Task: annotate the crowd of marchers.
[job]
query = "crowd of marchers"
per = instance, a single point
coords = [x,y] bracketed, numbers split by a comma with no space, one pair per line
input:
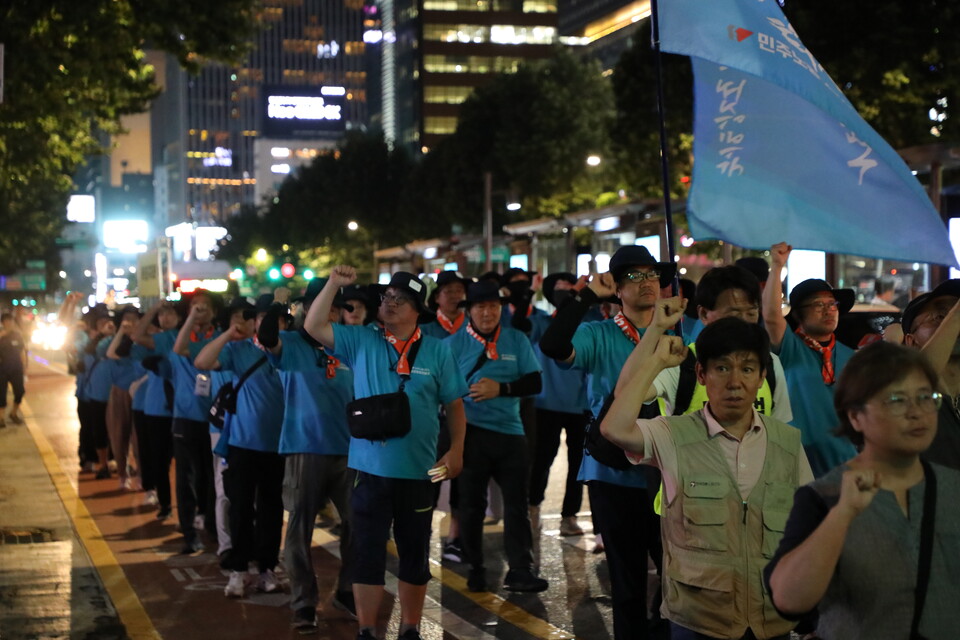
[780,480]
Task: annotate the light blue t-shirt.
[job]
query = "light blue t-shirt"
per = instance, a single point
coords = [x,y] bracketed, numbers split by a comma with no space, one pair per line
[515,359]
[812,402]
[259,416]
[601,351]
[156,402]
[434,380]
[186,404]
[315,413]
[564,389]
[99,376]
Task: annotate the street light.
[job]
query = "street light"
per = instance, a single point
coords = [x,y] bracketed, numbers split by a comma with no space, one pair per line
[352,225]
[593,160]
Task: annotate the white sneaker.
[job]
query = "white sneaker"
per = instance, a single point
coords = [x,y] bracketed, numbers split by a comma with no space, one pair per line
[150,498]
[268,582]
[236,585]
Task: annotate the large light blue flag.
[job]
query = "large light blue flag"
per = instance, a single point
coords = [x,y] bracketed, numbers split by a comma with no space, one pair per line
[780,153]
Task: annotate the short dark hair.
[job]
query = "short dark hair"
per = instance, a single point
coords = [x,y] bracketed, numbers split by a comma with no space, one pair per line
[730,335]
[870,370]
[720,279]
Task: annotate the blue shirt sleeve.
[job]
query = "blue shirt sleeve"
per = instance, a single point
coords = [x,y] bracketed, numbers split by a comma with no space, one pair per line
[452,383]
[346,341]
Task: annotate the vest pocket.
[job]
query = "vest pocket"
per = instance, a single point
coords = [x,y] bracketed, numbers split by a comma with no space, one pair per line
[699,593]
[777,503]
[705,512]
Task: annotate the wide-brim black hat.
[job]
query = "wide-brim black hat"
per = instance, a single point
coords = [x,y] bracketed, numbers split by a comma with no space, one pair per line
[413,287]
[945,288]
[550,283]
[483,291]
[630,255]
[807,288]
[510,273]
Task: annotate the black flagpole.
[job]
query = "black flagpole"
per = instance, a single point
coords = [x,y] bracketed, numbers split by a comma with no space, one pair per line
[664,158]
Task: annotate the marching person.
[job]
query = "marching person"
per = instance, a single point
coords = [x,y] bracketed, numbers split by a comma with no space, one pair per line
[499,366]
[394,470]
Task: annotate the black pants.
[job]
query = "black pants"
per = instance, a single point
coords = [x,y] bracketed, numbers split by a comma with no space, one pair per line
[14,378]
[253,483]
[625,518]
[98,425]
[86,451]
[155,443]
[191,449]
[489,454]
[549,426]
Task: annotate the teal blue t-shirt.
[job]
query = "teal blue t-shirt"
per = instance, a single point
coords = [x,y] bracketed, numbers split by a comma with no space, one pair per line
[100,370]
[564,389]
[812,402]
[434,380]
[259,416]
[186,404]
[156,402]
[515,359]
[601,351]
[315,413]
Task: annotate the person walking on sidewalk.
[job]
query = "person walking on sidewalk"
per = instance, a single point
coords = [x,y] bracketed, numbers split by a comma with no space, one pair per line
[13,364]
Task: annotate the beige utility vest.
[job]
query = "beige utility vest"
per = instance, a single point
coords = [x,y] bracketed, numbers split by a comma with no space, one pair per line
[715,544]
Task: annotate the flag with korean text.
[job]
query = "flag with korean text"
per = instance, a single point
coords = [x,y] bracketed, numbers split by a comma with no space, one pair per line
[779,153]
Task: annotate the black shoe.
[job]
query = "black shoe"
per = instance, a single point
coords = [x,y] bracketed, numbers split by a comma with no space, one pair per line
[192,546]
[477,580]
[410,634]
[163,513]
[452,551]
[103,473]
[305,618]
[524,580]
[365,634]
[343,600]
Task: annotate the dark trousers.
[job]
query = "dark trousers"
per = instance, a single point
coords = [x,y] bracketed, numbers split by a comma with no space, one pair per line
[191,449]
[155,443]
[98,425]
[253,483]
[549,426]
[14,378]
[86,451]
[488,454]
[625,518]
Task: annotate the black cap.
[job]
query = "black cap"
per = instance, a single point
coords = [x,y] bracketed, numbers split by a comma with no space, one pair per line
[945,288]
[263,302]
[413,287]
[449,277]
[314,287]
[483,291]
[756,266]
[812,286]
[240,304]
[631,255]
[510,273]
[550,283]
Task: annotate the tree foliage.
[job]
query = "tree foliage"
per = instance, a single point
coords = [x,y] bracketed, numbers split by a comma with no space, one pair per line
[73,68]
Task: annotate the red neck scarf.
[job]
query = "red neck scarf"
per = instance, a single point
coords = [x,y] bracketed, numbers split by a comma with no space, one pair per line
[826,353]
[450,326]
[402,346]
[489,345]
[627,327]
[195,337]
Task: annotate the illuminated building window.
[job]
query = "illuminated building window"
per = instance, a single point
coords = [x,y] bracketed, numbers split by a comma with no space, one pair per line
[271,14]
[356,77]
[446,95]
[313,31]
[500,34]
[539,6]
[353,5]
[354,48]
[470,64]
[439,124]
[468,5]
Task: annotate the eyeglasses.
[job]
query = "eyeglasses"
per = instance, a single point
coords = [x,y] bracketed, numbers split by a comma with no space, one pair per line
[641,276]
[896,404]
[822,306]
[395,300]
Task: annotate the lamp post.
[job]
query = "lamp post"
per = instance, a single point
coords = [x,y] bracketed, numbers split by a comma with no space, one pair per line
[488,221]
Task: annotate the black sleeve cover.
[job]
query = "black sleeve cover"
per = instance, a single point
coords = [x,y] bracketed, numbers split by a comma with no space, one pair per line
[528,385]
[556,341]
[519,320]
[269,331]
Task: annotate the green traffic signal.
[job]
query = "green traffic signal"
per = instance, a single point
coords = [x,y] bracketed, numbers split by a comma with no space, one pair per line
[274,273]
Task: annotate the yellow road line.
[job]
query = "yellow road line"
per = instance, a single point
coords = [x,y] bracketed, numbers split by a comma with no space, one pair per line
[517,616]
[125,600]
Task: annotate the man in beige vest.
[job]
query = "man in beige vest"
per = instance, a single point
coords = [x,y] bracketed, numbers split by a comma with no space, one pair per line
[729,475]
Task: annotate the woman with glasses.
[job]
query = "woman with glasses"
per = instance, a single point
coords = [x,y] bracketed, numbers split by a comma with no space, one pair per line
[854,546]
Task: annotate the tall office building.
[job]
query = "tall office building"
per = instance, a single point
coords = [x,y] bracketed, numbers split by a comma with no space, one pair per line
[228,136]
[602,29]
[436,52]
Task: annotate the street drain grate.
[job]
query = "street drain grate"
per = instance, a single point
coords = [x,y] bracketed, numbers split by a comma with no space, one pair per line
[25,535]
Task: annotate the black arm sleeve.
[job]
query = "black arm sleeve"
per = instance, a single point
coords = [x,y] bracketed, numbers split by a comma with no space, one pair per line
[521,303]
[556,341]
[528,385]
[268,334]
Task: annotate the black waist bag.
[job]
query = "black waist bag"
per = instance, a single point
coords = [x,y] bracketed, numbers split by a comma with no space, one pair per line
[383,416]
[604,451]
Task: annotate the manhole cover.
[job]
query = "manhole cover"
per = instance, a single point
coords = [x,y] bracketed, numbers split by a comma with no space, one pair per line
[25,535]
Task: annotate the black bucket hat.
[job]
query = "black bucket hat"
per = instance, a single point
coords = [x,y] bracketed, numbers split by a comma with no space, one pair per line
[945,288]
[631,255]
[483,291]
[413,287]
[813,286]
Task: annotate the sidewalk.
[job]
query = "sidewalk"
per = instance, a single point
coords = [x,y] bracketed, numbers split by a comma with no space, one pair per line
[49,587]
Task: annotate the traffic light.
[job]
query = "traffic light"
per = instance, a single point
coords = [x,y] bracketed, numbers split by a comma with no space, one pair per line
[273,273]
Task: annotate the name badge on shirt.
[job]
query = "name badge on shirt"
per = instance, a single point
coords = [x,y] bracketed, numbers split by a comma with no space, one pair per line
[202,386]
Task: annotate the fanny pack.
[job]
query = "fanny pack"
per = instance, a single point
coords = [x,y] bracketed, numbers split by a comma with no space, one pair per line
[226,399]
[383,416]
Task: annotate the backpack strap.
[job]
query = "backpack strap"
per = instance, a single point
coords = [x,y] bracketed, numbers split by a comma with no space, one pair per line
[686,385]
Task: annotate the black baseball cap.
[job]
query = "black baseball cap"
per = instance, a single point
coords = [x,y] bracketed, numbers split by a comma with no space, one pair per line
[630,255]
[413,287]
[813,286]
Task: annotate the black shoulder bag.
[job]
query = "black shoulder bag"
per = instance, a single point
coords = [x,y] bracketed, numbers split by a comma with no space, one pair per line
[226,399]
[383,416]
[604,451]
[926,549]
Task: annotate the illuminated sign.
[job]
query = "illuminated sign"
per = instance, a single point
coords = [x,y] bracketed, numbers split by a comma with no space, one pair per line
[217,285]
[298,112]
[126,236]
[328,50]
[81,209]
[221,158]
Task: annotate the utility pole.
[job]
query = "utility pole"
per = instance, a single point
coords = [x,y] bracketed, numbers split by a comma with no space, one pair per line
[488,221]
